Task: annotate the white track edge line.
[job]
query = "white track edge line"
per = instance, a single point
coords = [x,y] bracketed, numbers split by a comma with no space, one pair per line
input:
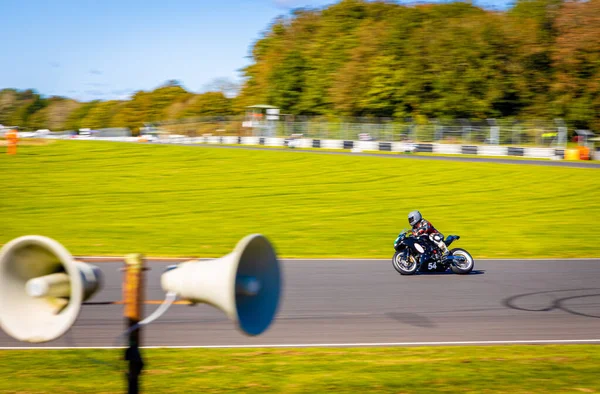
[319,345]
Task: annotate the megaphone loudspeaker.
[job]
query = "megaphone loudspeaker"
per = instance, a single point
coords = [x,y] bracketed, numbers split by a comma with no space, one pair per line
[245,284]
[42,288]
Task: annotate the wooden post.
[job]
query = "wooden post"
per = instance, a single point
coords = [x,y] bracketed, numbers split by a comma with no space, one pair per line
[133,292]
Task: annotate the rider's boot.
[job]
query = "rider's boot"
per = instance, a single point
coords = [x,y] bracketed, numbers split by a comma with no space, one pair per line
[443,248]
[445,251]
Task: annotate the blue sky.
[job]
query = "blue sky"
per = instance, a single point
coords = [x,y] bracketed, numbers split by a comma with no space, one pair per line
[107,49]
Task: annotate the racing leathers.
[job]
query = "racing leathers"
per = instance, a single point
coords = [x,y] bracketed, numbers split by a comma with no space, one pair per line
[423,227]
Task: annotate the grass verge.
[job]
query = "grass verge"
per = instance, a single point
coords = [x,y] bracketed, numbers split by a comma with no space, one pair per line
[497,369]
[102,198]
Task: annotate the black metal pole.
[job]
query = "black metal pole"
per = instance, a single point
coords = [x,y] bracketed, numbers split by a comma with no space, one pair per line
[136,364]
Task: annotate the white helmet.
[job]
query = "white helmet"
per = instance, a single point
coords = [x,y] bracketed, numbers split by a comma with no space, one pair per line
[414,217]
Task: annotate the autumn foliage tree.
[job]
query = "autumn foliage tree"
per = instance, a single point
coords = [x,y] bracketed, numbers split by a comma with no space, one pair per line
[373,58]
[576,59]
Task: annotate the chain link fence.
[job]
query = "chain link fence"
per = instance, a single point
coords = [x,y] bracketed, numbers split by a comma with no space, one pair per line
[542,133]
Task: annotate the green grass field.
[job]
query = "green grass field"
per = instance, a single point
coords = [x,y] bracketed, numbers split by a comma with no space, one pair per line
[102,198]
[508,369]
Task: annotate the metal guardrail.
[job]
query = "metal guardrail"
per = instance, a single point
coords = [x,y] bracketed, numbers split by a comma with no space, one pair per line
[542,133]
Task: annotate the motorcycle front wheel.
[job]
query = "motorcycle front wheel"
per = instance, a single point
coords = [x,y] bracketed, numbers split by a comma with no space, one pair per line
[404,266]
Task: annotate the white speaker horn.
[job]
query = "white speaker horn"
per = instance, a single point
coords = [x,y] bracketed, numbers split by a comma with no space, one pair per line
[42,288]
[245,284]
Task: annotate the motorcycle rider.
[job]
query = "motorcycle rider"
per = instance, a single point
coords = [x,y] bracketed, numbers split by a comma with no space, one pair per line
[421,226]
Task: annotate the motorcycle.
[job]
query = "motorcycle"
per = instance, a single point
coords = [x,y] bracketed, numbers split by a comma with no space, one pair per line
[419,254]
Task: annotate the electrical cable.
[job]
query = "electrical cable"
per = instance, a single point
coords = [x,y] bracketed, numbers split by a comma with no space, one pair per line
[169,299]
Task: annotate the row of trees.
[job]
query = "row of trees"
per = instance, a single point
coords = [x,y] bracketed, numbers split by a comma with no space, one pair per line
[540,59]
[29,110]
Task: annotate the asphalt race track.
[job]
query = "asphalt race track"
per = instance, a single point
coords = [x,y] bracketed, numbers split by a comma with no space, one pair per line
[360,302]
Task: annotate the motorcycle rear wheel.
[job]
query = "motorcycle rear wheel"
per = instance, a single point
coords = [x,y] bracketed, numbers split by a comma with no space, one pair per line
[405,267]
[462,268]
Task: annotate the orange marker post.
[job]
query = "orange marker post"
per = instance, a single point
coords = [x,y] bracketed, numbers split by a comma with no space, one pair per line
[12,138]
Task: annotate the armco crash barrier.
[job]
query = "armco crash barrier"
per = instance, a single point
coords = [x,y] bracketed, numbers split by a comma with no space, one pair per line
[358,146]
[385,146]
